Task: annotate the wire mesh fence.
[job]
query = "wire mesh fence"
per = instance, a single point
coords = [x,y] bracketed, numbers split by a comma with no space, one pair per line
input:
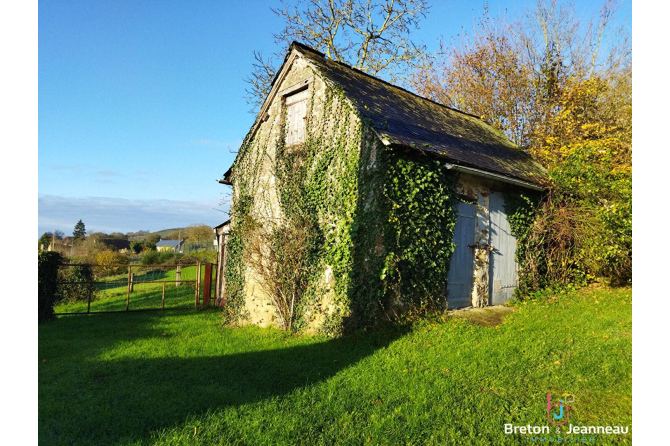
[206,245]
[87,288]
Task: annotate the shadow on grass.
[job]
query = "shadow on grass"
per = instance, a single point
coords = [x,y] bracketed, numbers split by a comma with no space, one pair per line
[129,399]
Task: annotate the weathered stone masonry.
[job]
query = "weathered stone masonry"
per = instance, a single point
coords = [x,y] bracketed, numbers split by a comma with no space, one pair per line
[379,117]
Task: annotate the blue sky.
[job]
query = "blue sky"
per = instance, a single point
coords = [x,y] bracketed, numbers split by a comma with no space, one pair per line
[141,104]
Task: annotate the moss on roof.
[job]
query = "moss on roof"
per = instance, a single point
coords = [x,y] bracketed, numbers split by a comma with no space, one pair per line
[406,119]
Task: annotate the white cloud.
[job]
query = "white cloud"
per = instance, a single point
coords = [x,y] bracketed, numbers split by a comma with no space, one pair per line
[101,214]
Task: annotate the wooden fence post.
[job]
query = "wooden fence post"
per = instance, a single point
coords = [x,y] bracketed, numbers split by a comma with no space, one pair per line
[88,310]
[132,282]
[197,284]
[177,276]
[128,292]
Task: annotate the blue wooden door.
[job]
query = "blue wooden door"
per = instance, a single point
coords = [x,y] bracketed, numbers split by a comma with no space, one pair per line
[503,273]
[459,278]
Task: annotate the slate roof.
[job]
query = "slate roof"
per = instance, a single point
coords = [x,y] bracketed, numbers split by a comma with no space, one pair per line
[172,243]
[404,119]
[227,222]
[116,243]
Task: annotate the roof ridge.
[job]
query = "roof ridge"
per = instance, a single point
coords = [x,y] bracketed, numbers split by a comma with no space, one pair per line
[323,56]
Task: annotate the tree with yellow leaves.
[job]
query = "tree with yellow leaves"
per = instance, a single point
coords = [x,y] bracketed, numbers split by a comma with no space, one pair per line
[561,89]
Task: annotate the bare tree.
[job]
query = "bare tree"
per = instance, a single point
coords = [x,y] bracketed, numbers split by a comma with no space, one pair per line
[370,35]
[512,72]
[199,233]
[584,47]
[278,252]
[260,80]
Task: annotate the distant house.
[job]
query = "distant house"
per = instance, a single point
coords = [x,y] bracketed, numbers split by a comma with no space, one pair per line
[123,246]
[63,246]
[170,245]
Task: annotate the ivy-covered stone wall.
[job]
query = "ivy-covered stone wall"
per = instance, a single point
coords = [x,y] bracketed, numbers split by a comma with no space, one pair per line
[380,220]
[406,235]
[316,183]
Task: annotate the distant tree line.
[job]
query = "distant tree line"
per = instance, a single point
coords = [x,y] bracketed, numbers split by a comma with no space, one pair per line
[115,248]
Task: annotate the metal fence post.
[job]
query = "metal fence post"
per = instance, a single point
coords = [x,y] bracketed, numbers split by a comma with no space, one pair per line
[207,291]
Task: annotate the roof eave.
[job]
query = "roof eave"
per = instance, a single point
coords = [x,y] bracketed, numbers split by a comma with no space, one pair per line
[457,166]
[226,177]
[222,224]
[494,176]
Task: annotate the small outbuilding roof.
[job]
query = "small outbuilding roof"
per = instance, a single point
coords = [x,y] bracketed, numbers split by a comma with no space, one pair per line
[171,243]
[405,119]
[227,222]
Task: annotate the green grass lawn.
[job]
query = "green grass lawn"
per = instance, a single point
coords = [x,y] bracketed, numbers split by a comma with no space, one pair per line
[183,378]
[112,297]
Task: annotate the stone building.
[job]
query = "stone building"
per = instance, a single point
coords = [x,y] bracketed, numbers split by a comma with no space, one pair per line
[353,141]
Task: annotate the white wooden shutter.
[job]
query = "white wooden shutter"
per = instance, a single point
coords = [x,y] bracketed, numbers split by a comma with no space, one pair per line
[296,111]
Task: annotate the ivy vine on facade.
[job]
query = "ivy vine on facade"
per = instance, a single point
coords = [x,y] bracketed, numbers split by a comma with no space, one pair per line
[356,201]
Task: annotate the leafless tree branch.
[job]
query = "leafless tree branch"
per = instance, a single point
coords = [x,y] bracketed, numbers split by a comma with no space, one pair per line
[371,35]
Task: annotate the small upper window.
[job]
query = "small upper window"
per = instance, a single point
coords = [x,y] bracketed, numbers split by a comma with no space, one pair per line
[296,114]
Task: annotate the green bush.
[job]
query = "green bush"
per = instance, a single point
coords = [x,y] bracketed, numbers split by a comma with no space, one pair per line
[202,256]
[150,258]
[583,229]
[171,258]
[79,284]
[136,246]
[47,283]
[109,261]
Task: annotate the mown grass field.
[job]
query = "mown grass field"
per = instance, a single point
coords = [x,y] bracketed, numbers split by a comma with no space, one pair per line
[183,378]
[112,297]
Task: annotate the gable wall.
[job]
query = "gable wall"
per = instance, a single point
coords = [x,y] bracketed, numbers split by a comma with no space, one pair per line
[258,161]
